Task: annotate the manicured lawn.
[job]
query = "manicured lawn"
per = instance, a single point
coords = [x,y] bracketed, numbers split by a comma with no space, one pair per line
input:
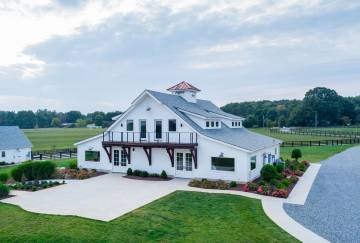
[178,217]
[316,153]
[58,162]
[58,138]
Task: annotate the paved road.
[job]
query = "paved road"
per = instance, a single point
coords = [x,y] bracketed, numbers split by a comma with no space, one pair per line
[332,208]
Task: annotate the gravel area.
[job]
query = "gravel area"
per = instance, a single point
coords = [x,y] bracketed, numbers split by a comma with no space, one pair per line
[333,204]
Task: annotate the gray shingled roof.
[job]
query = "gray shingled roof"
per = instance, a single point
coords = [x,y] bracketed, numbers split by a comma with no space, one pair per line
[12,137]
[239,137]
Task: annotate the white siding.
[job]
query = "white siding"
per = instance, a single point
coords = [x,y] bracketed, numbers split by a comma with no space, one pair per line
[16,155]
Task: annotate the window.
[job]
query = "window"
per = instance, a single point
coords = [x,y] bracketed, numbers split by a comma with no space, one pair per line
[275,151]
[253,162]
[172,125]
[188,162]
[233,124]
[158,129]
[93,156]
[123,158]
[217,124]
[207,124]
[129,125]
[212,124]
[269,158]
[142,128]
[116,157]
[3,154]
[224,164]
[179,161]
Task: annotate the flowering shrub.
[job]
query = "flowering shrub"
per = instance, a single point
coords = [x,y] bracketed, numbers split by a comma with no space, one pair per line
[280,193]
[246,188]
[260,190]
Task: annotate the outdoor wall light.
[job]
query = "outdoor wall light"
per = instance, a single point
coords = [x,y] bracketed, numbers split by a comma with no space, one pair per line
[148,109]
[221,155]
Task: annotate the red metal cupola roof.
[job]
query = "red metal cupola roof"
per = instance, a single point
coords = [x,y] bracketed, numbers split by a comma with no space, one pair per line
[183,86]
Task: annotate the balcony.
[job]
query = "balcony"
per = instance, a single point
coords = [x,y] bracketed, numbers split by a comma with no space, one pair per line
[151,139]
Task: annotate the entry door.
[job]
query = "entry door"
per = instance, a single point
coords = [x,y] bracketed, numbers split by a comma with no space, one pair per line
[142,129]
[158,129]
[184,165]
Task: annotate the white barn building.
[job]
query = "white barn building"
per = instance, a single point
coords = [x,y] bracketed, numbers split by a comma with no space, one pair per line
[15,147]
[185,136]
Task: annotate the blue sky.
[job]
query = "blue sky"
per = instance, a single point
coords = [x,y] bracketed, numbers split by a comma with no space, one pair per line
[99,55]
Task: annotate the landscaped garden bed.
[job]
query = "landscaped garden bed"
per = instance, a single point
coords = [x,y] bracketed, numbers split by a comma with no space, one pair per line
[35,185]
[76,174]
[144,175]
[276,180]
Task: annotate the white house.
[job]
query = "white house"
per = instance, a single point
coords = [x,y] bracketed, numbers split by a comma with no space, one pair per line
[185,136]
[15,147]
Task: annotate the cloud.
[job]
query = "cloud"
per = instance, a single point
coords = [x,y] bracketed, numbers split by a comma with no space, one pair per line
[24,23]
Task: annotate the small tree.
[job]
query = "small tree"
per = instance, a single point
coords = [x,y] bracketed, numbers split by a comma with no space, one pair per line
[55,122]
[296,154]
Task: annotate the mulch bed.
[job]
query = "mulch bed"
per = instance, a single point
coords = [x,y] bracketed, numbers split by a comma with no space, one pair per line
[149,178]
[239,187]
[2,198]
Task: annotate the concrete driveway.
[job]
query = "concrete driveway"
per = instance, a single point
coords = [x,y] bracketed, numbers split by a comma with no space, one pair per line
[333,205]
[103,198]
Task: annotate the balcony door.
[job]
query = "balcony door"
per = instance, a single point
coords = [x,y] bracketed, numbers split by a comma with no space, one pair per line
[142,129]
[158,129]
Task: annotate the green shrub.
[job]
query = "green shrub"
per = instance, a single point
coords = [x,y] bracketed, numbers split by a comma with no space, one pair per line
[252,186]
[4,177]
[296,154]
[4,190]
[144,174]
[268,172]
[195,183]
[273,182]
[17,173]
[302,167]
[286,182]
[280,186]
[163,175]
[73,165]
[137,172]
[233,184]
[34,170]
[154,175]
[129,172]
[293,179]
[280,167]
[221,185]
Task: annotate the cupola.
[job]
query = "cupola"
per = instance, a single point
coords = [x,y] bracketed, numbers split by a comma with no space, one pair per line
[185,90]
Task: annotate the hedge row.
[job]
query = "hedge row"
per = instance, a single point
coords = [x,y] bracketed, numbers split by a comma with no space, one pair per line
[33,171]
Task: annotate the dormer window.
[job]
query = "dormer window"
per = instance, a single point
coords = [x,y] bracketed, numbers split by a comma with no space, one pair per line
[207,124]
[212,124]
[217,124]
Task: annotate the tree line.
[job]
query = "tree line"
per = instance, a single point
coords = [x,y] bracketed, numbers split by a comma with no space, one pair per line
[45,119]
[320,107]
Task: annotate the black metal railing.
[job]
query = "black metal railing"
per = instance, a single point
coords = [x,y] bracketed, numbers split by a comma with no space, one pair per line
[151,137]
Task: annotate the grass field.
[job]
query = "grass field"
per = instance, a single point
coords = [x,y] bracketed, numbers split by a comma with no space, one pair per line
[58,138]
[291,137]
[312,154]
[178,217]
[315,154]
[58,162]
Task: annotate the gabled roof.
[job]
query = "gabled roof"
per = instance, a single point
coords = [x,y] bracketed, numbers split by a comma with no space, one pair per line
[239,137]
[183,86]
[202,108]
[12,137]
